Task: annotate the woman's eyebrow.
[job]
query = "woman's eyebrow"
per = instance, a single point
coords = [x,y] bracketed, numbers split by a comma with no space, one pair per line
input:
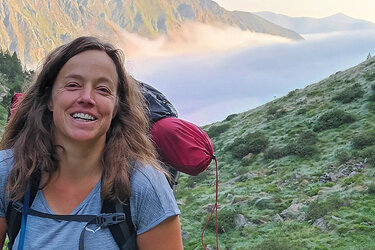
[101,79]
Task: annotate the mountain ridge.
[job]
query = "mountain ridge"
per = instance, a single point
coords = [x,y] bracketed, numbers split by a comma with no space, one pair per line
[308,25]
[34,29]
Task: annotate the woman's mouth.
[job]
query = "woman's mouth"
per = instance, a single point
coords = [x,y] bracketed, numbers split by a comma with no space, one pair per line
[83,117]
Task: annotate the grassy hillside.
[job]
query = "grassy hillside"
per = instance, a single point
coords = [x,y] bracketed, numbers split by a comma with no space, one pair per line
[295,173]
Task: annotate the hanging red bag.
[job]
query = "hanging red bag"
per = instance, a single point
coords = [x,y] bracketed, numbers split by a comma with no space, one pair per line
[182,145]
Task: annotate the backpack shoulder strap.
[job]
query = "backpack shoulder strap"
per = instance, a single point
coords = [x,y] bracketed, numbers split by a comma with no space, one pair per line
[123,233]
[14,216]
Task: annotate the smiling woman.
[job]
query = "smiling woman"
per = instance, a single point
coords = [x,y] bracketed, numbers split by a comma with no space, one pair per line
[77,159]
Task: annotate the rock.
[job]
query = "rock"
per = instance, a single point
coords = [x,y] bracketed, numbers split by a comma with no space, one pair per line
[277,218]
[230,197]
[335,218]
[294,212]
[319,223]
[184,235]
[249,156]
[240,221]
[210,247]
[265,202]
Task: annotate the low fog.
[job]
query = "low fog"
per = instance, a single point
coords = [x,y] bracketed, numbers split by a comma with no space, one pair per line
[209,73]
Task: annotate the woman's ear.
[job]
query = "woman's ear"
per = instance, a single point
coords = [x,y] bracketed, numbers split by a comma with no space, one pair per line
[50,106]
[115,110]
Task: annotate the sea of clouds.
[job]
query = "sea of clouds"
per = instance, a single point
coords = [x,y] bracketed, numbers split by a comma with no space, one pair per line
[211,72]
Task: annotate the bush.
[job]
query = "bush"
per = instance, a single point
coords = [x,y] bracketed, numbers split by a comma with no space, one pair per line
[304,150]
[370,76]
[333,119]
[275,153]
[214,131]
[371,188]
[275,111]
[369,154]
[307,137]
[318,209]
[230,117]
[226,221]
[350,94]
[303,146]
[343,157]
[364,139]
[252,143]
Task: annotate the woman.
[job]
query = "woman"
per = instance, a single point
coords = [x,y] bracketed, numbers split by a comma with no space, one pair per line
[82,124]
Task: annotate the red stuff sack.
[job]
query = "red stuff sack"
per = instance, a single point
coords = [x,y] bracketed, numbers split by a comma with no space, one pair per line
[16,99]
[182,145]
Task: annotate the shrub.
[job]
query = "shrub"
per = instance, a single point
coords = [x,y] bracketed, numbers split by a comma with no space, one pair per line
[371,98]
[275,153]
[349,94]
[370,76]
[371,188]
[318,208]
[343,157]
[307,137]
[304,150]
[252,143]
[333,119]
[226,221]
[275,111]
[369,154]
[214,131]
[364,139]
[230,117]
[303,146]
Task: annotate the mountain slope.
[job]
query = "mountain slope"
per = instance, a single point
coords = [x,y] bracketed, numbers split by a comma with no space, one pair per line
[295,173]
[307,25]
[32,28]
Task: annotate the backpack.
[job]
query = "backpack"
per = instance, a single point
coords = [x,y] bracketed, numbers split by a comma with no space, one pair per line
[185,138]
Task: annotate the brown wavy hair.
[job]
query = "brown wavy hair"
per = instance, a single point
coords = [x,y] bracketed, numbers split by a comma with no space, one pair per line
[30,132]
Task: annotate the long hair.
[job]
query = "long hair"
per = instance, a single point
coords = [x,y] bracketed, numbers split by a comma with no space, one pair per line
[30,132]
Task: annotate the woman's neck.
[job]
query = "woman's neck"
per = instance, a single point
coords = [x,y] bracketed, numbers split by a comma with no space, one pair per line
[78,162]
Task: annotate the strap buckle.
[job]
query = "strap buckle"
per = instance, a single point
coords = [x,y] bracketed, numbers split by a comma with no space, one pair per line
[17,206]
[105,220]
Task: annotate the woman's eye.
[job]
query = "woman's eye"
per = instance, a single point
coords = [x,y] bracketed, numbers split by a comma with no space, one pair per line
[104,90]
[72,85]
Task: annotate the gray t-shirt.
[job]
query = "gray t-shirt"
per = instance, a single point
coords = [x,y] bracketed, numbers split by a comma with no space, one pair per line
[151,202]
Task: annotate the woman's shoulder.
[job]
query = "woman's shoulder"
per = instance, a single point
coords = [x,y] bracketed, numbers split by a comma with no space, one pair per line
[145,173]
[6,162]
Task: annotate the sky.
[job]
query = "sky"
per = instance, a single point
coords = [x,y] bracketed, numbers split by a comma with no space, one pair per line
[362,9]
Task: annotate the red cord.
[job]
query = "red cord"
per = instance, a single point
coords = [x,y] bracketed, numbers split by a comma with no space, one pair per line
[214,208]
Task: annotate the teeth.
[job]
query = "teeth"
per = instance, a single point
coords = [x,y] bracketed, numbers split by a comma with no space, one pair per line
[83,116]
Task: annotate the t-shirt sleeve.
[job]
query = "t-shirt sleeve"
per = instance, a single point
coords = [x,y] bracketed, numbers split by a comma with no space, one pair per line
[6,163]
[152,200]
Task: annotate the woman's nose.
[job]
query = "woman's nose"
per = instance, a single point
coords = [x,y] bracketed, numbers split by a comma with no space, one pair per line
[86,97]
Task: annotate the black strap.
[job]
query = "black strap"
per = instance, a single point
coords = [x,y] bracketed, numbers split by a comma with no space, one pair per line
[123,233]
[14,216]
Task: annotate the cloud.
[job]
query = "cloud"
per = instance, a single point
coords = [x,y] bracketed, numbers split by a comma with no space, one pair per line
[207,88]
[194,38]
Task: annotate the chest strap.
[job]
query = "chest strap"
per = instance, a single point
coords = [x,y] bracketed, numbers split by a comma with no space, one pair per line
[102,220]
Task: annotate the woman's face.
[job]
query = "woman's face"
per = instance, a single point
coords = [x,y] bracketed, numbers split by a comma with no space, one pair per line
[84,97]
